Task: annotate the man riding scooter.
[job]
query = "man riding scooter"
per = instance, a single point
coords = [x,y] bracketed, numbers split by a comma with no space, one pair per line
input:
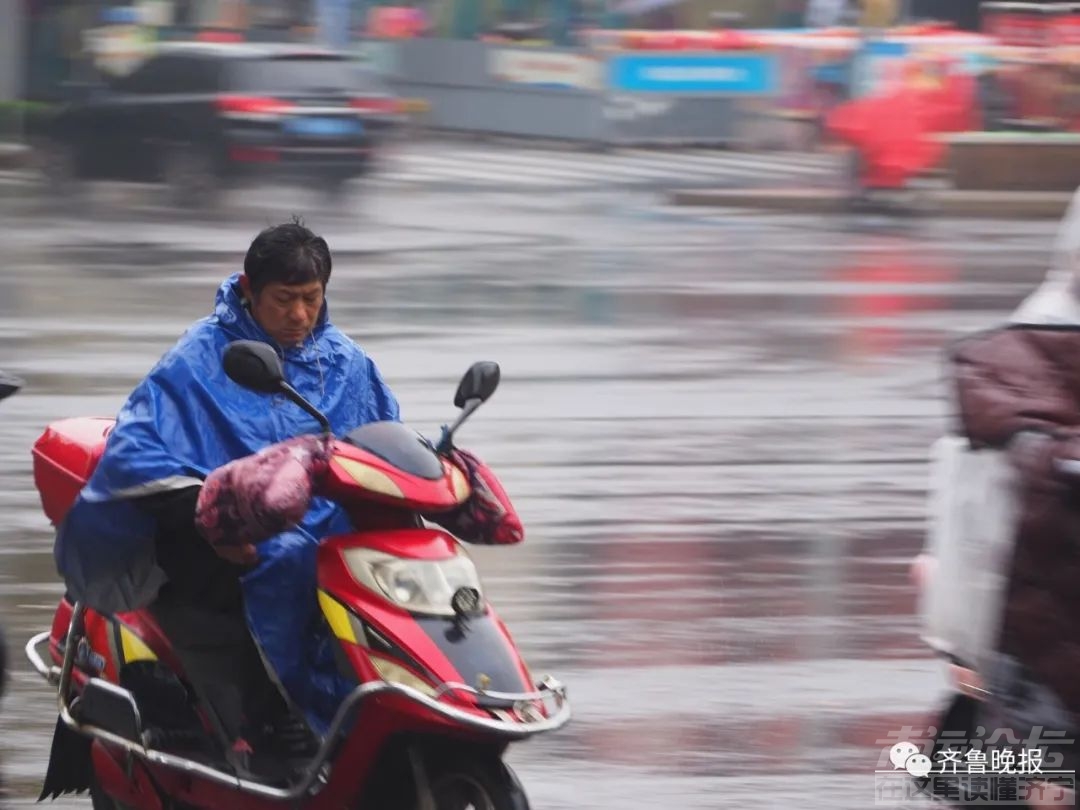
[1018,393]
[170,518]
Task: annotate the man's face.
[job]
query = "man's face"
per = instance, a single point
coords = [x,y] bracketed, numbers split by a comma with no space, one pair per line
[287,312]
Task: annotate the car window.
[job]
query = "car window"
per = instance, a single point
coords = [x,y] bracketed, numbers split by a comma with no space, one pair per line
[198,77]
[172,74]
[150,77]
[298,75]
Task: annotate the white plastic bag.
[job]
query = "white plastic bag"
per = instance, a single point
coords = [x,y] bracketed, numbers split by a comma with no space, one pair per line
[973,517]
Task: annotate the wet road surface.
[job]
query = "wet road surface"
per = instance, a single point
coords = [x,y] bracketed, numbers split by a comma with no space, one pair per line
[715,426]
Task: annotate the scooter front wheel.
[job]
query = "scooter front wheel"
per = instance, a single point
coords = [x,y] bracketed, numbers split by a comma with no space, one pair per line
[464,783]
[100,800]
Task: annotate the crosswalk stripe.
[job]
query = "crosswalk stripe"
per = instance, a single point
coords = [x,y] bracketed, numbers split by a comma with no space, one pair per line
[606,167]
[435,164]
[734,164]
[641,168]
[644,163]
[472,174]
[510,164]
[787,160]
[579,166]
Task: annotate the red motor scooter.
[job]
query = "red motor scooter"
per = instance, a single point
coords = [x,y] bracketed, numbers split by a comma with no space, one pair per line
[441,689]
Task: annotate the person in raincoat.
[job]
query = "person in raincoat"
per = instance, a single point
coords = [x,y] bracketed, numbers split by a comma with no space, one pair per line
[1017,390]
[235,590]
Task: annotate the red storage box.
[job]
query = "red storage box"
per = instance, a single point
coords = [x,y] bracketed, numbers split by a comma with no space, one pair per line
[64,457]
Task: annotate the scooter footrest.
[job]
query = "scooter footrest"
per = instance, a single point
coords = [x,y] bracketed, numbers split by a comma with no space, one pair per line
[108,708]
[172,738]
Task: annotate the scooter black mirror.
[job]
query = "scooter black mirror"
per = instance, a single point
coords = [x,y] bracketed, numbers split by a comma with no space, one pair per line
[254,365]
[257,367]
[8,385]
[479,382]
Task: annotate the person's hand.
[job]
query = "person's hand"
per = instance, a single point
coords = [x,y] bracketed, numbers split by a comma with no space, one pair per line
[487,516]
[967,682]
[259,496]
[921,571]
[244,555]
[1046,460]
[1068,467]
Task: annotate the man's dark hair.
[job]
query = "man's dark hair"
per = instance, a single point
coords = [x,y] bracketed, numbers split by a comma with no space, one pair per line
[289,254]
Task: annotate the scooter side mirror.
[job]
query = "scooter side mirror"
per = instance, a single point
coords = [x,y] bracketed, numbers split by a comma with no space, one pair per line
[8,385]
[475,388]
[255,366]
[479,382]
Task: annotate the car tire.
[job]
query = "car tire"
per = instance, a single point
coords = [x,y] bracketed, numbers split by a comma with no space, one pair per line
[367,166]
[57,167]
[191,178]
[335,188]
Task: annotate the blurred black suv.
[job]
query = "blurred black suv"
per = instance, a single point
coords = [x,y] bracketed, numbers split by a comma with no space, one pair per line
[200,116]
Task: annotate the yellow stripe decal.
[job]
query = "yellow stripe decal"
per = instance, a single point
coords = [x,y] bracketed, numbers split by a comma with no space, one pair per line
[462,491]
[369,478]
[134,648]
[337,617]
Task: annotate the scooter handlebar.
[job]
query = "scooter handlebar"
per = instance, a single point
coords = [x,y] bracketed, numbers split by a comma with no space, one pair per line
[1068,467]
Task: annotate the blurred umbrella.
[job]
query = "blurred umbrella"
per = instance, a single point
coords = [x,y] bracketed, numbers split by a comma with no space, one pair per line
[891,133]
[954,107]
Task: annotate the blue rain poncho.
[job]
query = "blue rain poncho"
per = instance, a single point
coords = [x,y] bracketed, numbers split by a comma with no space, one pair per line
[185,419]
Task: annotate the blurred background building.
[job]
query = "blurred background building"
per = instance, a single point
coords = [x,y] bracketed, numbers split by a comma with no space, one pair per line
[43,42]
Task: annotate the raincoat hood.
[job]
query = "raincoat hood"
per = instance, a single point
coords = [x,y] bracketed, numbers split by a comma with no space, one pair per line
[1057,301]
[187,418]
[232,312]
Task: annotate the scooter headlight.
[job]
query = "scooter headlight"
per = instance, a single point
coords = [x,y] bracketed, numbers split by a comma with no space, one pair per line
[419,586]
[395,673]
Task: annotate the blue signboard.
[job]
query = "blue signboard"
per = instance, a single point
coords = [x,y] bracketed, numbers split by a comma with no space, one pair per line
[750,74]
[873,62]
